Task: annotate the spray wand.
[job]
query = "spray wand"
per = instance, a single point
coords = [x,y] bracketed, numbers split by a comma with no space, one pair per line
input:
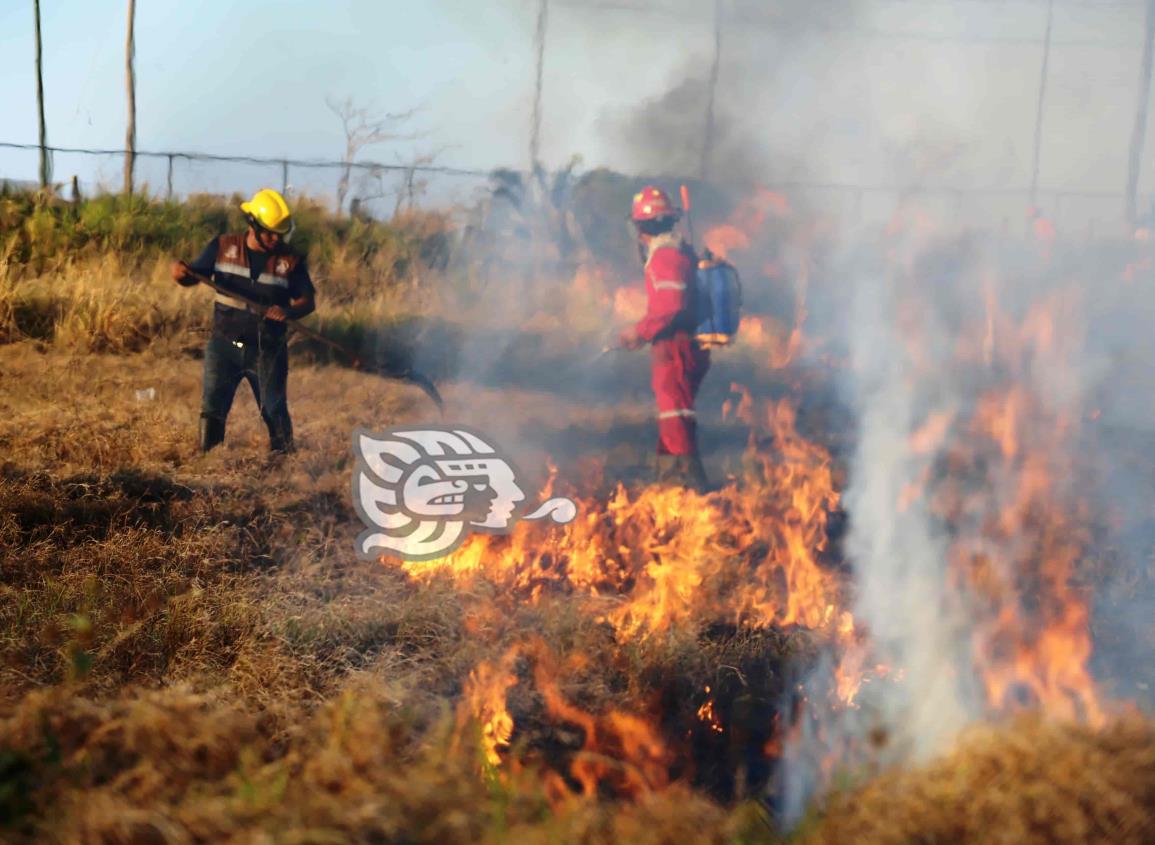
[407,374]
[685,192]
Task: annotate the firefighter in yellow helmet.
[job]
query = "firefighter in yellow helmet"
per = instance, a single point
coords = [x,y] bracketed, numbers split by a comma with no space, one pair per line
[260,267]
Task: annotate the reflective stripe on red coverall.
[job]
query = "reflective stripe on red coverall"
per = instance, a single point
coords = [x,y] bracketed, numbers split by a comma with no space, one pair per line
[677,363]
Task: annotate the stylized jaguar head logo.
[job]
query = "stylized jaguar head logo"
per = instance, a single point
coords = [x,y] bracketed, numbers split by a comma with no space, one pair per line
[420,491]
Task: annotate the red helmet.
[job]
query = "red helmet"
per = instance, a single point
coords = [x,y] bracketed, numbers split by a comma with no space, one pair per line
[653,203]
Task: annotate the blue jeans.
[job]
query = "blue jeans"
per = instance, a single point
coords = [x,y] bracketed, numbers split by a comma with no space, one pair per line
[265,366]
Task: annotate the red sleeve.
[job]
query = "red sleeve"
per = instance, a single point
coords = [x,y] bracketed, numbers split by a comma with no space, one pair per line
[668,278]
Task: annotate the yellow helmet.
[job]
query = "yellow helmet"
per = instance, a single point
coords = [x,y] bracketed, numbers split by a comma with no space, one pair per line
[269,210]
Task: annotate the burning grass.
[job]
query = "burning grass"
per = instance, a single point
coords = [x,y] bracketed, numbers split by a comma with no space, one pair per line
[190,651]
[174,766]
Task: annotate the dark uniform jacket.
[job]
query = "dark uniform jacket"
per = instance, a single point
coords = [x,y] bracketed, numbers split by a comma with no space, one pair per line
[268,278]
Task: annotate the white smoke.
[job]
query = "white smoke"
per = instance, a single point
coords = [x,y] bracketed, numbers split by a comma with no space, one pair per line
[958,515]
[899,554]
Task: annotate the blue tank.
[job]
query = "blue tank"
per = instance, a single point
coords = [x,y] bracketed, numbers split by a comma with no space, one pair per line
[719,302]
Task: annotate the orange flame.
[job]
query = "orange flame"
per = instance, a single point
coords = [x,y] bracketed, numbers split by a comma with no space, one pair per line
[706,714]
[484,700]
[647,562]
[746,222]
[672,557]
[1019,564]
[622,753]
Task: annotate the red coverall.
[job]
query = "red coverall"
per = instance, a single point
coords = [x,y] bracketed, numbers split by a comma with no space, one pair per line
[677,363]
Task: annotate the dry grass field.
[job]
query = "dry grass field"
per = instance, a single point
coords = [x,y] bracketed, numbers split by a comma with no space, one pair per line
[190,650]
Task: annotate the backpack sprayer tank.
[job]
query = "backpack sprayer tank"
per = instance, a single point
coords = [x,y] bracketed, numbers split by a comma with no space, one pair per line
[719,301]
[718,307]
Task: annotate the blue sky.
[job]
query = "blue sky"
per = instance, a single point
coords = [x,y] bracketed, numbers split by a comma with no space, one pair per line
[209,72]
[246,78]
[252,78]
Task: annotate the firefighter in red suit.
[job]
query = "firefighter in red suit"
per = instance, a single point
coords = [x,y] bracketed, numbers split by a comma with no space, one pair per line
[677,363]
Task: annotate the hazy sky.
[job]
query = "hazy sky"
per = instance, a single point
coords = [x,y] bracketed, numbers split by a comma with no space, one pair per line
[252,79]
[817,93]
[248,78]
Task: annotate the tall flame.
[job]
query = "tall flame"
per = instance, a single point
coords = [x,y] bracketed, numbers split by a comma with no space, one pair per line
[749,555]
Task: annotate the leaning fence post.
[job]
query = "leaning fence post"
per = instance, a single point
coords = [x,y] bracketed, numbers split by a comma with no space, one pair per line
[284,177]
[169,184]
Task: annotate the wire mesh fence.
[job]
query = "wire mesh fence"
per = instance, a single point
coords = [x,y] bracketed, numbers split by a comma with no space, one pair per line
[180,173]
[384,189]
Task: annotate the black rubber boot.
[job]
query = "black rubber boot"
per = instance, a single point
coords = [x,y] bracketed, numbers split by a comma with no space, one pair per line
[281,438]
[212,432]
[666,469]
[682,471]
[695,473]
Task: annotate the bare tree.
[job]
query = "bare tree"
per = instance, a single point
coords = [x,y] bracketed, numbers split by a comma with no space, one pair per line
[406,189]
[130,90]
[363,128]
[370,187]
[45,168]
[411,187]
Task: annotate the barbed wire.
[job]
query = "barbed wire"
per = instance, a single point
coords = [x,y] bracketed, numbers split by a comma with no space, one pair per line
[774,184]
[444,170]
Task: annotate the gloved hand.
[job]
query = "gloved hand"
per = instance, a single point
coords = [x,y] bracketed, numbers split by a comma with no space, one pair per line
[182,274]
[629,339]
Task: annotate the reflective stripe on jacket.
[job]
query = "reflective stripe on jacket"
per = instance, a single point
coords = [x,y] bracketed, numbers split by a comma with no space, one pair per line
[671,287]
[271,287]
